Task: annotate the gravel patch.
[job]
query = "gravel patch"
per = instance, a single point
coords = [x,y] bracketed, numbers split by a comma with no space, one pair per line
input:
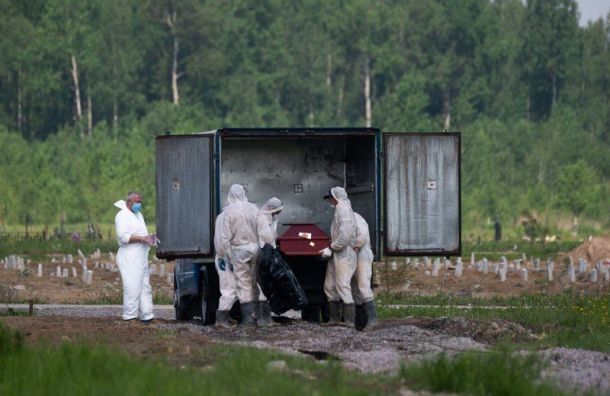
[579,370]
[378,351]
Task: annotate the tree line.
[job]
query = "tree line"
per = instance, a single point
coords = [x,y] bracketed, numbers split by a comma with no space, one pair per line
[85,85]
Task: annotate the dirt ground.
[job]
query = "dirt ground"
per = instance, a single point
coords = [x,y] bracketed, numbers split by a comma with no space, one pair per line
[415,277]
[594,249]
[131,337]
[394,276]
[380,351]
[411,281]
[106,284]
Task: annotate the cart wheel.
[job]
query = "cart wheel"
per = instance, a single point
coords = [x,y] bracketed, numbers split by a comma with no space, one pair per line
[181,307]
[208,307]
[208,312]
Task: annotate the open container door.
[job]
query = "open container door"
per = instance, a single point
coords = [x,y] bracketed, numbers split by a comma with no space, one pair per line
[184,195]
[422,194]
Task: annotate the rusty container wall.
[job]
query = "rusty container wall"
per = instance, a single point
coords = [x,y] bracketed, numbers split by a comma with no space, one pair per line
[422,193]
[299,171]
[184,191]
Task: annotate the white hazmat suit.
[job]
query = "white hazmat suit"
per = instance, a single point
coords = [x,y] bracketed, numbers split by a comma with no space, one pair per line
[132,260]
[226,277]
[342,265]
[240,241]
[361,282]
[267,222]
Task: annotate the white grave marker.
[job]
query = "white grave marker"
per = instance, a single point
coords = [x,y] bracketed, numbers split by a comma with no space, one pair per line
[582,266]
[549,271]
[458,267]
[593,275]
[571,274]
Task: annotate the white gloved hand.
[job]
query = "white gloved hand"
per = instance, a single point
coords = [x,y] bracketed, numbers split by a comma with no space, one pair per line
[151,240]
[326,252]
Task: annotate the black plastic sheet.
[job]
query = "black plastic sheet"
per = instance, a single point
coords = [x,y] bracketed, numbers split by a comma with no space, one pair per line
[278,282]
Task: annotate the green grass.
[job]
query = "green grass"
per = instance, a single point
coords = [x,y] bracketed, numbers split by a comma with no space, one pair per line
[565,320]
[11,341]
[81,370]
[38,249]
[498,372]
[495,250]
[162,299]
[117,299]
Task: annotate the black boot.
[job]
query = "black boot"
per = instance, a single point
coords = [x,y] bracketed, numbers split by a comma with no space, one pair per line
[263,315]
[248,315]
[222,319]
[371,315]
[334,312]
[349,315]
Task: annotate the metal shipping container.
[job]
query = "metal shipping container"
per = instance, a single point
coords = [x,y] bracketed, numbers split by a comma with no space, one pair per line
[406,186]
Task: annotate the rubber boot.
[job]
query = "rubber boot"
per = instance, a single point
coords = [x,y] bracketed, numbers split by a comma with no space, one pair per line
[349,315]
[248,315]
[334,312]
[371,315]
[222,319]
[263,315]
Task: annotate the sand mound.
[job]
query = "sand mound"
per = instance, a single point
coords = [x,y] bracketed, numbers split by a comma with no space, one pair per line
[593,249]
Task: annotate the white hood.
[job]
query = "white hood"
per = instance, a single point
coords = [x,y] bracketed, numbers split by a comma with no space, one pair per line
[121,204]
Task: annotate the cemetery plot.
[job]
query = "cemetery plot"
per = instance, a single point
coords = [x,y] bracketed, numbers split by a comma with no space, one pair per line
[78,279]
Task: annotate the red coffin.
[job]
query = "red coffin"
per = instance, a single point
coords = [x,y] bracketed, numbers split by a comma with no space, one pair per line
[303,240]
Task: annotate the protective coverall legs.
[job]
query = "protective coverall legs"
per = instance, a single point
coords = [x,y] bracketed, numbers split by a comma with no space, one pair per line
[137,292]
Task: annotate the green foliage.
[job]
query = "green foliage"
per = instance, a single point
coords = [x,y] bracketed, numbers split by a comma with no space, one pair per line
[578,190]
[498,372]
[524,83]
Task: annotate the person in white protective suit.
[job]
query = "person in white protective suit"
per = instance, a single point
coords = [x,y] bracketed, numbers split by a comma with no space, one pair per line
[132,258]
[342,259]
[226,277]
[361,282]
[267,234]
[240,243]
